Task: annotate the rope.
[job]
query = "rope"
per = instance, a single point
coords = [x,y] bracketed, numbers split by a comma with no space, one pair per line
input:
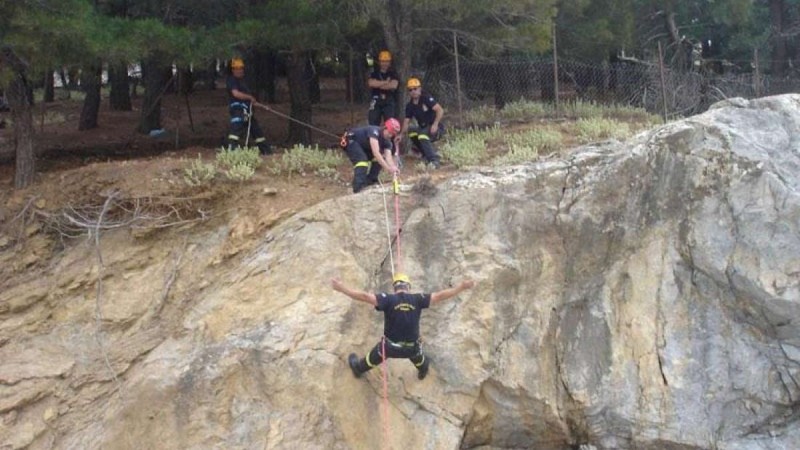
[280,114]
[249,122]
[388,231]
[396,189]
[385,370]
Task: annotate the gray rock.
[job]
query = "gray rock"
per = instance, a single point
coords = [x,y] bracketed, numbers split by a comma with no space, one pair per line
[642,295]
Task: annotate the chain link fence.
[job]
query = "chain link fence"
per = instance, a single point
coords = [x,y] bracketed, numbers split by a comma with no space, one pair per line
[637,84]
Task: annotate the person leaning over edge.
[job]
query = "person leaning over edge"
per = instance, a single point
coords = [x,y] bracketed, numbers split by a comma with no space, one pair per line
[401,313]
[383,82]
[240,107]
[428,113]
[370,148]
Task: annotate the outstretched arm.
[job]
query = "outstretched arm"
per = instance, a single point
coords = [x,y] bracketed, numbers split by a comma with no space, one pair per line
[355,294]
[451,292]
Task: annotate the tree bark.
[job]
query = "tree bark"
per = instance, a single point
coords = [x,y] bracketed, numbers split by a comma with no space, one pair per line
[91,83]
[298,94]
[120,95]
[19,101]
[396,21]
[312,75]
[49,88]
[777,10]
[271,67]
[360,92]
[153,70]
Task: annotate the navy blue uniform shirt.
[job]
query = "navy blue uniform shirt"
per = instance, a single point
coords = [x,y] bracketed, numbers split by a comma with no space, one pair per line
[235,83]
[423,111]
[378,75]
[401,313]
[362,135]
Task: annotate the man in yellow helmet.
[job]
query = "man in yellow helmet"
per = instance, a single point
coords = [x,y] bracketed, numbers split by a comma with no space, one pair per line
[244,128]
[383,83]
[428,113]
[401,314]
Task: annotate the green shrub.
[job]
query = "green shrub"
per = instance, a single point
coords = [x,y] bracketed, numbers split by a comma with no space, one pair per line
[598,128]
[527,145]
[525,109]
[543,139]
[240,172]
[199,172]
[468,147]
[250,156]
[481,115]
[303,160]
[516,154]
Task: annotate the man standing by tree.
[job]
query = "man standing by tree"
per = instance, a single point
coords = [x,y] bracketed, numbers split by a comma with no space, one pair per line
[428,113]
[383,82]
[401,314]
[240,106]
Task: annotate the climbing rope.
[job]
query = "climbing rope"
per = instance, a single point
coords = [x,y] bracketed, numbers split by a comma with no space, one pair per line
[388,230]
[396,190]
[385,371]
[305,124]
[384,365]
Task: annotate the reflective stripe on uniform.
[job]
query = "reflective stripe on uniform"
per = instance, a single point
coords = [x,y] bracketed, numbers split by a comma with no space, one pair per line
[260,140]
[362,164]
[424,137]
[413,134]
[421,362]
[233,136]
[237,120]
[368,361]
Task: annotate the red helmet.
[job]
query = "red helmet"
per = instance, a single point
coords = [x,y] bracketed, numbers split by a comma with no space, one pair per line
[393,125]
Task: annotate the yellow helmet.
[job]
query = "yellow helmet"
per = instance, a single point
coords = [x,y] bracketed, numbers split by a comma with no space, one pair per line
[237,63]
[384,55]
[413,83]
[400,278]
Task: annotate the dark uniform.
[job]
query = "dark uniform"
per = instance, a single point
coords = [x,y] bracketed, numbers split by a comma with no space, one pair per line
[383,102]
[420,135]
[241,115]
[356,144]
[401,314]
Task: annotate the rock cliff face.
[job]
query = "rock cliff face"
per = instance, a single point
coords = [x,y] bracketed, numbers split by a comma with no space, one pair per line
[640,295]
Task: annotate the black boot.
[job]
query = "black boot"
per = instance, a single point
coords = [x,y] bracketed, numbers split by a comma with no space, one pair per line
[353,361]
[422,371]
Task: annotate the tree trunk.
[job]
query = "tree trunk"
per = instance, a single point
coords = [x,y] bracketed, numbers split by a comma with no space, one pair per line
[153,70]
[19,100]
[271,67]
[120,95]
[396,21]
[72,78]
[312,75]
[298,94]
[49,88]
[357,73]
[22,116]
[210,75]
[777,10]
[185,80]
[62,75]
[91,83]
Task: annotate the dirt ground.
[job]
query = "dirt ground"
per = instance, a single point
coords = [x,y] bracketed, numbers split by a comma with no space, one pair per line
[78,171]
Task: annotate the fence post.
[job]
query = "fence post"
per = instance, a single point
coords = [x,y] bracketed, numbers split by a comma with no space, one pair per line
[458,83]
[756,75]
[555,66]
[663,82]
